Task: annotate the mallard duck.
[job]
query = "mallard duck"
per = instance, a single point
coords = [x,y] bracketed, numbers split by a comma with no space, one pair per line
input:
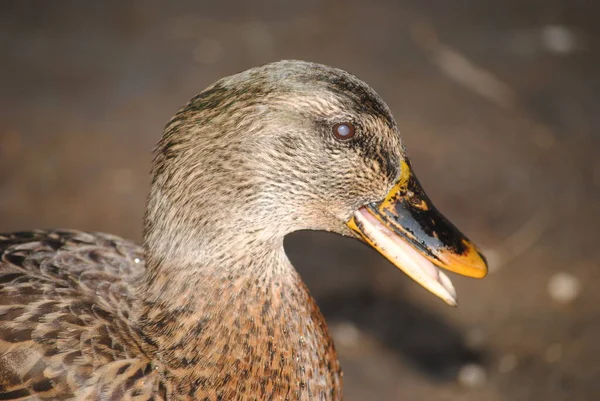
[210,308]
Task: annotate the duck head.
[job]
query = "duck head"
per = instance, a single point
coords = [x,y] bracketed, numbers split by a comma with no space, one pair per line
[291,146]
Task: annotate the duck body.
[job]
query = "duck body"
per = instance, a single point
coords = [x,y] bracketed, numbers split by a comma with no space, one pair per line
[67,302]
[209,307]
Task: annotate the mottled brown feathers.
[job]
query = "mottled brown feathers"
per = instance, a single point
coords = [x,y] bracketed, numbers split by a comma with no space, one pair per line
[66,301]
[210,308]
[64,304]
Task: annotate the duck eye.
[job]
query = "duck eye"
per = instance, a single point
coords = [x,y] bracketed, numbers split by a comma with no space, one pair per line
[343,131]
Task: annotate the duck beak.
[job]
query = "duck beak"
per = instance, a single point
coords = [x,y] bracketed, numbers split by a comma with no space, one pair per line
[409,231]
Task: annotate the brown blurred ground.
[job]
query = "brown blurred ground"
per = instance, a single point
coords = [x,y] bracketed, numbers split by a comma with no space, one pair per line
[497,101]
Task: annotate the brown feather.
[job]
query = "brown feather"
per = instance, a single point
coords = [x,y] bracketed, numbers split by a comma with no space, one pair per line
[64,304]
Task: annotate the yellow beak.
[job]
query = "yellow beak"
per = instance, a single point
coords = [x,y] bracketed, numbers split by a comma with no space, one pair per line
[409,231]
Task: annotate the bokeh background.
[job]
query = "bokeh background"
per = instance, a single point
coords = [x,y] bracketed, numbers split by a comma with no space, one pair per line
[498,104]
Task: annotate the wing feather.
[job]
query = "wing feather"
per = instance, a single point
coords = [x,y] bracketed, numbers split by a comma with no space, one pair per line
[64,303]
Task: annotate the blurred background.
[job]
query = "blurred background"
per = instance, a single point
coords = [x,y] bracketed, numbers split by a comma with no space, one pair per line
[497,101]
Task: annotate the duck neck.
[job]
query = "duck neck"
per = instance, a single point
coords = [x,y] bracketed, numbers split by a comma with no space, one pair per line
[238,318]
[210,284]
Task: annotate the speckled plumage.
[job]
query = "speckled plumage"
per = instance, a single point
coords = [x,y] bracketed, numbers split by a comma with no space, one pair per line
[210,308]
[64,308]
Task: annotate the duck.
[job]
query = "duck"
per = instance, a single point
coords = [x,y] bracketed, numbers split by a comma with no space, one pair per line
[209,307]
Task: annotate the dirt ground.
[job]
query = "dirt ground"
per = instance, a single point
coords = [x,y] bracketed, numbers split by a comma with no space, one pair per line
[498,105]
